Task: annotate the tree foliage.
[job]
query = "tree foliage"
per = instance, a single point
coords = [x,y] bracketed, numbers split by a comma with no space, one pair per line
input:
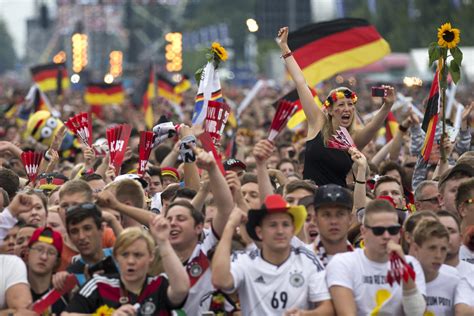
[7,52]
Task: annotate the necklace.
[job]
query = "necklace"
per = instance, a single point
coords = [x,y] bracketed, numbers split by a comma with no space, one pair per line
[321,251]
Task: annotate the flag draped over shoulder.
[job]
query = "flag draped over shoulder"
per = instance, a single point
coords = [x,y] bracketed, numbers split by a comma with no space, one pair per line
[327,48]
[209,90]
[391,126]
[148,95]
[430,120]
[51,77]
[166,90]
[299,116]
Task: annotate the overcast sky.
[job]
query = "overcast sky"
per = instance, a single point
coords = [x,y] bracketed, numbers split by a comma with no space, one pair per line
[15,13]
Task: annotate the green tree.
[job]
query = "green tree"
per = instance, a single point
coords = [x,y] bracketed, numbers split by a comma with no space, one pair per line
[7,52]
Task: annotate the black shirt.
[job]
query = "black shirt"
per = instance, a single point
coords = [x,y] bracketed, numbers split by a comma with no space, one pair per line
[325,165]
[108,292]
[57,308]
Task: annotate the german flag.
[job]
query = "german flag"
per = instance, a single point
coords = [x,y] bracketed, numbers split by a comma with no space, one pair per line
[299,116]
[325,49]
[166,90]
[51,77]
[183,86]
[430,120]
[104,94]
[148,95]
[391,126]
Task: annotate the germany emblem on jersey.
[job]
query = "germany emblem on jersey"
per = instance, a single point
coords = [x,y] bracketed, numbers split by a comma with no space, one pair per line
[148,308]
[296,279]
[195,270]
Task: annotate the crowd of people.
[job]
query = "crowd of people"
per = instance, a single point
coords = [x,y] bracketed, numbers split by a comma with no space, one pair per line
[291,227]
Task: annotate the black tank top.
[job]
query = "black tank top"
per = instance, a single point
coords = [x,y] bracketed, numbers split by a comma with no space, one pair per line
[325,165]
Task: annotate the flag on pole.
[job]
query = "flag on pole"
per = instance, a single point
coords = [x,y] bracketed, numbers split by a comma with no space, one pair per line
[148,95]
[327,48]
[298,117]
[166,90]
[51,77]
[183,86]
[430,120]
[391,126]
[100,94]
[209,90]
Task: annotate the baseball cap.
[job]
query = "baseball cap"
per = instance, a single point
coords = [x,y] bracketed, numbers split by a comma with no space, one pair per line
[332,194]
[463,168]
[132,176]
[275,204]
[234,163]
[48,236]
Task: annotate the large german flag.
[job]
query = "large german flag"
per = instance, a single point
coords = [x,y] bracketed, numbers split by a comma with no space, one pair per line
[299,116]
[166,90]
[325,49]
[430,120]
[104,94]
[51,77]
[148,95]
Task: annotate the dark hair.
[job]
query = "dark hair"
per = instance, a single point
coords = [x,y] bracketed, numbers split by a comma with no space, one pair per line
[184,193]
[384,179]
[391,165]
[6,199]
[444,213]
[129,164]
[195,214]
[248,178]
[91,177]
[154,171]
[286,160]
[464,191]
[161,152]
[9,181]
[79,213]
[300,184]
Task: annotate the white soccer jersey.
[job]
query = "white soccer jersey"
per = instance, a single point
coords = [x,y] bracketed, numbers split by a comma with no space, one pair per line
[266,289]
[367,280]
[440,292]
[198,268]
[12,272]
[466,254]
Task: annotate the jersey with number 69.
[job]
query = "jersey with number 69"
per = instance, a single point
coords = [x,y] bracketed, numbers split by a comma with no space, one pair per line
[266,289]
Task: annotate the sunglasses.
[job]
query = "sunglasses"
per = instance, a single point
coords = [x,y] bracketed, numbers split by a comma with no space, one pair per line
[431,200]
[380,230]
[85,206]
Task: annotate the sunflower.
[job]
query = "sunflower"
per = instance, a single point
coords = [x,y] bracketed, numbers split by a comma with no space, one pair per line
[219,51]
[104,310]
[448,37]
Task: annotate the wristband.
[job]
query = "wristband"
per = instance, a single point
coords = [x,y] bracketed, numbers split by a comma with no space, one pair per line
[360,182]
[286,55]
[402,128]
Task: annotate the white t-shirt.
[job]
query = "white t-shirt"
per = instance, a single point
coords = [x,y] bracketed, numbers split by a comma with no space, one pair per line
[266,289]
[466,254]
[12,272]
[465,290]
[367,280]
[440,292]
[7,221]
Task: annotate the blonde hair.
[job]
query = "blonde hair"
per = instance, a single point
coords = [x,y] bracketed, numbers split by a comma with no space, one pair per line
[129,236]
[328,130]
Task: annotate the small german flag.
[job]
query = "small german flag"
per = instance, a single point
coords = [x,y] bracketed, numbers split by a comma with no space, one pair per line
[183,86]
[148,95]
[391,126]
[166,90]
[430,120]
[51,77]
[327,48]
[299,116]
